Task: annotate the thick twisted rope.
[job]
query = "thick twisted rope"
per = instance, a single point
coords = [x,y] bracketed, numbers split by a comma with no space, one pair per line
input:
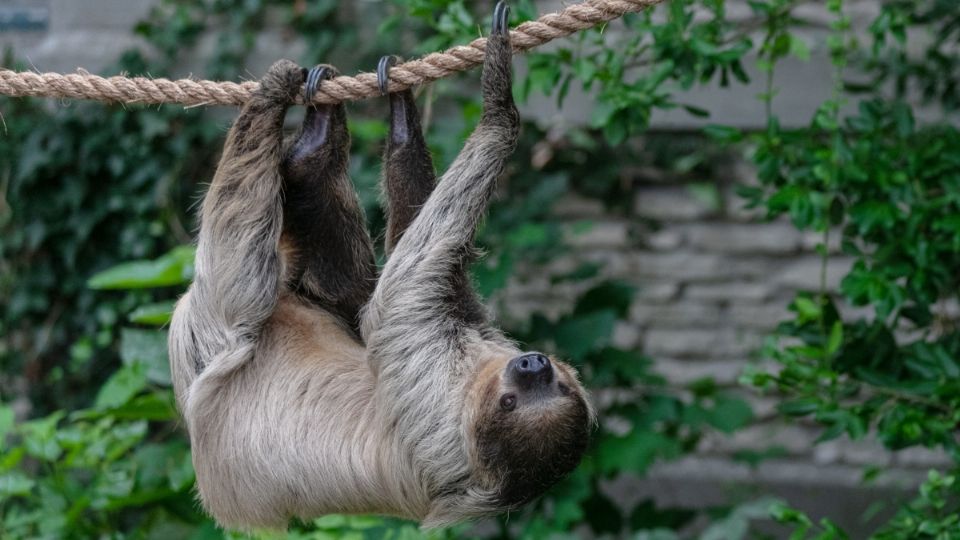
[434,66]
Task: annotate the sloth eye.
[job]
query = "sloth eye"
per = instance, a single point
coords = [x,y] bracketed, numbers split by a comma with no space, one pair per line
[508,402]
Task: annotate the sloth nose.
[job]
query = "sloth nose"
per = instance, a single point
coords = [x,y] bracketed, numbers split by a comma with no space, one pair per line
[531,370]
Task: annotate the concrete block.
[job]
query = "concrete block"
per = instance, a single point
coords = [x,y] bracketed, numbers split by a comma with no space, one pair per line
[748,266]
[735,291]
[519,311]
[810,240]
[114,15]
[843,450]
[795,439]
[663,240]
[625,335]
[573,205]
[669,203]
[763,317]
[678,265]
[656,292]
[804,272]
[920,457]
[684,372]
[614,263]
[757,238]
[700,343]
[66,51]
[682,314]
[764,407]
[600,235]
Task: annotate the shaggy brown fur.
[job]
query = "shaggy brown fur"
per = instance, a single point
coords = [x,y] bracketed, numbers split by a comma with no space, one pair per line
[307,386]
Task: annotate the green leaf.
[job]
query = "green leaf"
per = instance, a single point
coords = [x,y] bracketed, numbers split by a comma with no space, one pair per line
[578,335]
[156,406]
[127,382]
[799,407]
[155,314]
[40,437]
[15,483]
[148,348]
[836,337]
[529,235]
[6,422]
[174,268]
[603,516]
[708,194]
[729,414]
[635,451]
[613,295]
[799,48]
[807,309]
[492,273]
[725,134]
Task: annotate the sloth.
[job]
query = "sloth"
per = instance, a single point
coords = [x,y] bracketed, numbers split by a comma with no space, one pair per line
[311,385]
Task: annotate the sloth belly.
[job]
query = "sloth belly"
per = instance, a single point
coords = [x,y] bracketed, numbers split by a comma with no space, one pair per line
[295,432]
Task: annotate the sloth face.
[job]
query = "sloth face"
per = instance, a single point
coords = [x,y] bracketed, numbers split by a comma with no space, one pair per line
[532,426]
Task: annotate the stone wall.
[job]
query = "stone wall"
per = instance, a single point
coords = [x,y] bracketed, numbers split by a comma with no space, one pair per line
[712,281]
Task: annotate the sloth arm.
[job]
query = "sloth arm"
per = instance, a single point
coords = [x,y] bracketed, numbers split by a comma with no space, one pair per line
[408,181]
[410,313]
[238,266]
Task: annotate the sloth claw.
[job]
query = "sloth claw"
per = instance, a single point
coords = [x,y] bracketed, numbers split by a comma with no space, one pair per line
[501,18]
[383,71]
[315,76]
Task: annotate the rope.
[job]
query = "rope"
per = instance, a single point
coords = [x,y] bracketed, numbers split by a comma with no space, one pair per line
[528,35]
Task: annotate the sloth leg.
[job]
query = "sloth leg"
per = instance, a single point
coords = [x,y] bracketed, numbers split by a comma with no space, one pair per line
[408,180]
[414,288]
[331,262]
[408,176]
[238,264]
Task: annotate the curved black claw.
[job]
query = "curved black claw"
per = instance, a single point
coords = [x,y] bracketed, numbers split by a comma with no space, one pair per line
[501,18]
[315,76]
[383,71]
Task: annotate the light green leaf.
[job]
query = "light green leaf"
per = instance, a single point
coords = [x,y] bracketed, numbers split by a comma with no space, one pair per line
[6,422]
[149,348]
[836,337]
[799,48]
[807,309]
[156,314]
[15,483]
[156,406]
[729,414]
[40,437]
[127,382]
[581,334]
[174,268]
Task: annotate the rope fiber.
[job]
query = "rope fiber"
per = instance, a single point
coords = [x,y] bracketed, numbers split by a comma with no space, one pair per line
[191,92]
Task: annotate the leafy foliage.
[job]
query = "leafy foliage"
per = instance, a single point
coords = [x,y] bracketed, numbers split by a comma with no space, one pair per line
[886,185]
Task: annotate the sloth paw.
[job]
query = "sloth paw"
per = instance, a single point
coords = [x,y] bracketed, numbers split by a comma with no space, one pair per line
[501,19]
[496,79]
[323,125]
[315,76]
[282,82]
[383,72]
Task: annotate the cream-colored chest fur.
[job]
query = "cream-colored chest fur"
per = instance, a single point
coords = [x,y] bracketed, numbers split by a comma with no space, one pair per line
[300,411]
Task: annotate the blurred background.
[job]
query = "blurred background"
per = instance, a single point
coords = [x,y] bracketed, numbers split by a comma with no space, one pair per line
[738,218]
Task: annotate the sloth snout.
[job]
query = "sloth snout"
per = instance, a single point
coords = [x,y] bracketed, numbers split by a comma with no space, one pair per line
[531,370]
